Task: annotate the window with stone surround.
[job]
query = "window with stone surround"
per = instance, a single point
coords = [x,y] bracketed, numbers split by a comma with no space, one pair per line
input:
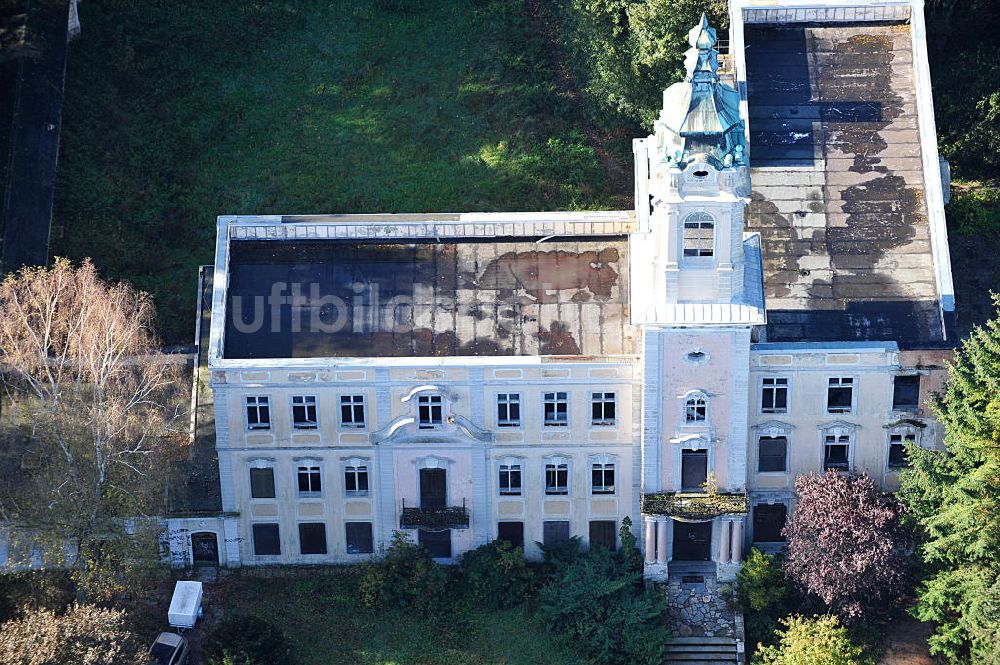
[602,409]
[312,538]
[602,478]
[555,409]
[262,482]
[898,458]
[352,411]
[430,411]
[310,481]
[359,537]
[774,395]
[258,412]
[356,479]
[840,394]
[699,235]
[510,479]
[557,478]
[509,410]
[772,454]
[266,539]
[304,412]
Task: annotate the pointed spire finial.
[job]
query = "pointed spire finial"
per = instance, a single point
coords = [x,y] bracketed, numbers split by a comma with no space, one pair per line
[702,36]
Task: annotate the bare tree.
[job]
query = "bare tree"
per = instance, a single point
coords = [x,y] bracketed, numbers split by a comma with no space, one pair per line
[90,406]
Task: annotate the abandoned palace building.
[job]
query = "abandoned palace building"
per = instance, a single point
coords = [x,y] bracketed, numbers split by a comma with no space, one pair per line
[779,302]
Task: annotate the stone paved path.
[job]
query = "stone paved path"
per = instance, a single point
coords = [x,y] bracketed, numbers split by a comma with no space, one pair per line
[699,609]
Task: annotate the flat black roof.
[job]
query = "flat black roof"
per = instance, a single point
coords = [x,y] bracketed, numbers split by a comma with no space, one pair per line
[838,185]
[334,298]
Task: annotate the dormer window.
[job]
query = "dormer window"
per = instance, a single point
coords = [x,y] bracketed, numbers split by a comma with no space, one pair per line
[699,235]
[429,411]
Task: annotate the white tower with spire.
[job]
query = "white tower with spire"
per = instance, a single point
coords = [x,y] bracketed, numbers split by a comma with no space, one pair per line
[697,296]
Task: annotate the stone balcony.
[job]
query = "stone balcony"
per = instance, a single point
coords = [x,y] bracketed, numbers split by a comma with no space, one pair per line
[695,505]
[434,519]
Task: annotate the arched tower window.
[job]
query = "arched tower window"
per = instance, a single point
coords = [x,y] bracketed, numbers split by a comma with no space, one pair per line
[695,409]
[699,235]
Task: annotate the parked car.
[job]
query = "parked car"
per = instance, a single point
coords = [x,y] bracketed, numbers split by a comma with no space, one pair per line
[170,649]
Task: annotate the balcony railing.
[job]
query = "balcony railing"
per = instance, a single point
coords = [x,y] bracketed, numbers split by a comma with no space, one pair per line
[695,505]
[434,519]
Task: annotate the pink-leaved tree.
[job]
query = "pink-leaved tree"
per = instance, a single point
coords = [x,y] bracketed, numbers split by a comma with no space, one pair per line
[847,545]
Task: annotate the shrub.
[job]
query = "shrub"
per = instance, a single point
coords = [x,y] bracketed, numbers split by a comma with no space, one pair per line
[594,601]
[846,544]
[816,641]
[763,595]
[496,575]
[248,640]
[405,576]
[84,635]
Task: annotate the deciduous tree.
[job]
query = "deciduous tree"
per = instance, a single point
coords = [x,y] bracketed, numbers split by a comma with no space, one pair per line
[953,497]
[89,405]
[846,544]
[815,641]
[84,635]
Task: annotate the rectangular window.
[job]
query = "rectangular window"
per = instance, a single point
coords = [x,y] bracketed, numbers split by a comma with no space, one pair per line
[359,537]
[772,452]
[604,533]
[768,522]
[602,479]
[898,459]
[556,409]
[352,411]
[836,453]
[266,540]
[304,412]
[557,479]
[356,480]
[262,483]
[437,543]
[510,479]
[312,538]
[906,392]
[602,409]
[509,410]
[694,470]
[429,411]
[774,395]
[258,413]
[512,532]
[310,482]
[840,395]
[699,238]
[554,533]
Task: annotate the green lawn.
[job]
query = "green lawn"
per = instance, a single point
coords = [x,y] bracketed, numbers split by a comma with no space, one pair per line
[322,618]
[178,111]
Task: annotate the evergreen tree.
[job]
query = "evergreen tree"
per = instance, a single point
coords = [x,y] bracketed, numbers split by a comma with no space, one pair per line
[954,498]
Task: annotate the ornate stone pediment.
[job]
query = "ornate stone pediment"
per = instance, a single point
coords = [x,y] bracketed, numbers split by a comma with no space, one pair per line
[456,429]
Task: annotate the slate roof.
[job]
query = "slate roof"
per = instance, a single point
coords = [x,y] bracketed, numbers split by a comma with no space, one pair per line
[838,184]
[490,297]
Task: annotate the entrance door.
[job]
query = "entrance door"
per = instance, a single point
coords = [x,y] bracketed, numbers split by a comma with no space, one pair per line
[692,542]
[433,489]
[694,470]
[205,548]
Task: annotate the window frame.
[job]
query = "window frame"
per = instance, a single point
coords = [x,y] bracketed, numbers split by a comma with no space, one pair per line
[274,482]
[326,541]
[602,488]
[904,434]
[699,222]
[509,468]
[689,405]
[304,404]
[254,537]
[773,436]
[840,385]
[600,401]
[558,468]
[909,408]
[837,434]
[370,536]
[555,401]
[434,405]
[357,469]
[505,402]
[259,402]
[774,387]
[313,472]
[352,403]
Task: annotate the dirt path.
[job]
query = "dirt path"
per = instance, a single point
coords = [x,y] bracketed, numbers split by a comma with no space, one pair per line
[618,173]
[906,642]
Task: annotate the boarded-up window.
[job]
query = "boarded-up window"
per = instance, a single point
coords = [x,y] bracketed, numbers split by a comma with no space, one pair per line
[512,532]
[262,483]
[604,533]
[771,453]
[768,521]
[312,538]
[554,533]
[266,540]
[359,537]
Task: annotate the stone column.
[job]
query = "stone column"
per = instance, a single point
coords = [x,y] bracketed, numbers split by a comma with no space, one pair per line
[661,541]
[724,541]
[650,540]
[737,541]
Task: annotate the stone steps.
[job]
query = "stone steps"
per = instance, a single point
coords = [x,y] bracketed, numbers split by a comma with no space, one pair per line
[701,651]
